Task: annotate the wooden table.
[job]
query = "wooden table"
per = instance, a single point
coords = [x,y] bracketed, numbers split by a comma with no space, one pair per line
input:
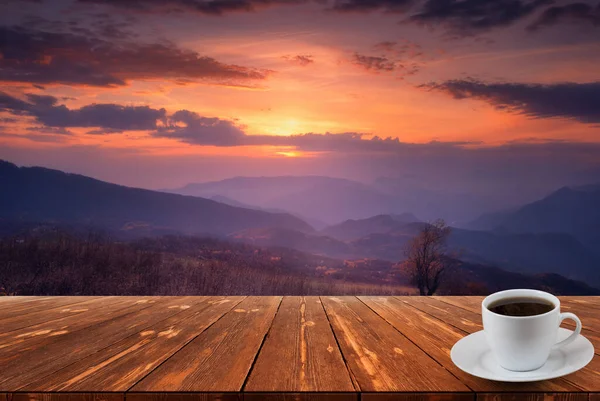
[258,348]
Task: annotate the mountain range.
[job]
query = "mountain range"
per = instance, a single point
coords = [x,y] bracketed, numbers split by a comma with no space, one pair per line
[571,210]
[34,194]
[558,234]
[328,200]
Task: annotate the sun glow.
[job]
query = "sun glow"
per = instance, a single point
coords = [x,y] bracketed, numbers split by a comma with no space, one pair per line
[289,154]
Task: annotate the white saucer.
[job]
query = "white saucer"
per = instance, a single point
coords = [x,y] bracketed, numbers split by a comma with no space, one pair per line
[473,355]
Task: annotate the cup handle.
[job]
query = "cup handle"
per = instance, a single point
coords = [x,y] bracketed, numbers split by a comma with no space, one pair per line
[573,336]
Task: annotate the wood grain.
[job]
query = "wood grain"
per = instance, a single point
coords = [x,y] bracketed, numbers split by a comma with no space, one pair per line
[57,315]
[300,353]
[49,357]
[462,319]
[301,397]
[538,396]
[258,348]
[472,304]
[439,306]
[67,397]
[185,397]
[418,397]
[381,358]
[22,306]
[30,338]
[220,358]
[122,364]
[437,338]
[586,379]
[590,318]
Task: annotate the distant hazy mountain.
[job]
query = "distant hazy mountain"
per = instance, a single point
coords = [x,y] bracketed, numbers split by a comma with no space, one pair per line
[327,199]
[334,200]
[531,253]
[571,210]
[355,229]
[318,224]
[42,195]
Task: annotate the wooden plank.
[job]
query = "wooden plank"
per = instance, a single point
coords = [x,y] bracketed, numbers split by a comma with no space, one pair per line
[304,396]
[219,359]
[590,318]
[437,338]
[28,338]
[587,379]
[417,397]
[15,306]
[594,396]
[122,364]
[440,306]
[46,358]
[379,357]
[67,397]
[185,397]
[88,306]
[471,303]
[300,354]
[587,308]
[592,302]
[462,319]
[533,397]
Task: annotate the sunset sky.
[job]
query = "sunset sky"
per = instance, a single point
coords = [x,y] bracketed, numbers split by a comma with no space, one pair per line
[160,93]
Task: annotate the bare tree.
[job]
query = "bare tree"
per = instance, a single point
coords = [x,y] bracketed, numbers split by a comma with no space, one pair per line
[427,258]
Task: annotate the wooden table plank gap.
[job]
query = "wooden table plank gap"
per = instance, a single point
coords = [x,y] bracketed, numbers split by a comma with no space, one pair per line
[184,345]
[262,343]
[432,316]
[83,356]
[416,345]
[337,342]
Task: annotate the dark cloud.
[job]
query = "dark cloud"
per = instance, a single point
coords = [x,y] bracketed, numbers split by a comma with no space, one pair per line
[104,131]
[185,126]
[363,6]
[300,59]
[390,63]
[374,63]
[386,46]
[578,101]
[573,13]
[208,7]
[109,116]
[189,127]
[41,57]
[49,130]
[470,17]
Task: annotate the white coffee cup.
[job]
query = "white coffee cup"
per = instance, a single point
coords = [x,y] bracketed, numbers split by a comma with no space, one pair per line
[523,343]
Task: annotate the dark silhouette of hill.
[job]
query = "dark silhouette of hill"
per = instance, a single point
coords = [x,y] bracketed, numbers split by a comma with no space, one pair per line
[571,210]
[355,229]
[478,279]
[34,194]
